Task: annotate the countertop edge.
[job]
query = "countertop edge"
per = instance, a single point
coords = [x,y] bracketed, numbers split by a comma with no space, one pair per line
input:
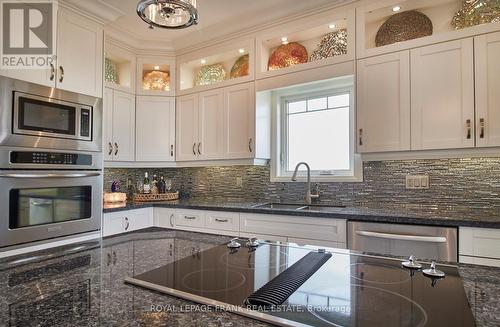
[359,216]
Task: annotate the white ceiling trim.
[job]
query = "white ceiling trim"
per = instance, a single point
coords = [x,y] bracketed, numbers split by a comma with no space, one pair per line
[247,32]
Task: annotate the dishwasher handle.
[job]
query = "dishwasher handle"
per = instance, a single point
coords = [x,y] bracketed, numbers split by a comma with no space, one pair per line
[403,237]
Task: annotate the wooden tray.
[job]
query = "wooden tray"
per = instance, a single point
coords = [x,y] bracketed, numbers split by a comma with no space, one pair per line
[139,197]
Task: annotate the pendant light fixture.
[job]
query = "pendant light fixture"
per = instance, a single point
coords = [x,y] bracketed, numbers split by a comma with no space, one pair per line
[170,14]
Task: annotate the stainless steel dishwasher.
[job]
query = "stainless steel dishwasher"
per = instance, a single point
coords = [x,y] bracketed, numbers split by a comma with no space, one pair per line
[425,242]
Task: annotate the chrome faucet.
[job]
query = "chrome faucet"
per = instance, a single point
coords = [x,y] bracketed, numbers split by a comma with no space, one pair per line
[309,196]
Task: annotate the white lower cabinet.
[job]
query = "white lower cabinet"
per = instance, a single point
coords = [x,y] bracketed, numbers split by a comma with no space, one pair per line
[321,229]
[316,232]
[164,217]
[221,220]
[479,246]
[126,221]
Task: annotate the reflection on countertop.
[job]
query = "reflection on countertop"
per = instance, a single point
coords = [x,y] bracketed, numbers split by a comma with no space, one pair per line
[424,215]
[83,285]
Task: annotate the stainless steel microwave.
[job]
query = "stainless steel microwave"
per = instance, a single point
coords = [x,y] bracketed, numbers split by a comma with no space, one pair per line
[48,117]
[36,116]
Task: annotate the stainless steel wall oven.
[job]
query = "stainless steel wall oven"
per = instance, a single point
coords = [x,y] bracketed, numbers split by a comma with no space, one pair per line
[50,163]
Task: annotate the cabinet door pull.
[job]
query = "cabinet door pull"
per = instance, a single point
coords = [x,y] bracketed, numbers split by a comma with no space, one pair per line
[194,148]
[172,220]
[482,125]
[221,220]
[116,148]
[110,148]
[469,128]
[250,145]
[127,224]
[61,78]
[199,151]
[52,72]
[171,150]
[189,217]
[361,137]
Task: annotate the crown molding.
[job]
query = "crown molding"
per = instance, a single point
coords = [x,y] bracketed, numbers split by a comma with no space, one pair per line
[138,45]
[251,31]
[125,44]
[97,10]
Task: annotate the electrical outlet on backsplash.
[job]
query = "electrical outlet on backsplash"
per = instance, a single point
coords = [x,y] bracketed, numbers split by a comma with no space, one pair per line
[468,182]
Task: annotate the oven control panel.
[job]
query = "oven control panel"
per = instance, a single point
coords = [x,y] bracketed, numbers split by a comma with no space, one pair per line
[50,158]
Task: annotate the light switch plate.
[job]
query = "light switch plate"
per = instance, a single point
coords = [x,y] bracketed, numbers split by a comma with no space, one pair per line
[417,182]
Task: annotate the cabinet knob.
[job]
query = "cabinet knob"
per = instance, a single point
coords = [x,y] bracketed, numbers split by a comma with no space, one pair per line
[171,150]
[469,128]
[61,77]
[361,137]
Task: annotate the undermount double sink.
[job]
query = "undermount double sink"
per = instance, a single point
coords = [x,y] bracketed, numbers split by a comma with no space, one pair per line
[298,207]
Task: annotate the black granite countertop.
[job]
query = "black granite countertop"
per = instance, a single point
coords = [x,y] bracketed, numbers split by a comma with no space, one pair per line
[435,216]
[83,285]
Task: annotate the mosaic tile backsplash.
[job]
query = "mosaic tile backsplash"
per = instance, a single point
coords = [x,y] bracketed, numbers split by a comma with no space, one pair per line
[472,183]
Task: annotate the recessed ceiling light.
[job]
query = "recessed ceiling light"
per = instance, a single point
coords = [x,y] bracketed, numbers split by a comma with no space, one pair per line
[241,51]
[396,8]
[332,26]
[157,67]
[203,61]
[284,39]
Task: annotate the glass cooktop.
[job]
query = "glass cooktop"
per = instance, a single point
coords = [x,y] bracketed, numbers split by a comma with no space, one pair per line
[348,290]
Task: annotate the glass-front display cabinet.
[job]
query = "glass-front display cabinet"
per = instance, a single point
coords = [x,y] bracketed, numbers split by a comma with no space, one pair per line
[315,41]
[216,66]
[155,75]
[392,25]
[119,68]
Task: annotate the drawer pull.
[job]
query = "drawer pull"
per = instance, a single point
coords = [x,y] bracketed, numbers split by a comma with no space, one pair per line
[403,237]
[482,126]
[172,220]
[189,217]
[221,220]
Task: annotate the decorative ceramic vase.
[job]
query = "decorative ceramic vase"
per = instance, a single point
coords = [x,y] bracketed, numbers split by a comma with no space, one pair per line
[332,44]
[287,55]
[210,74]
[403,26]
[240,67]
[156,80]
[476,12]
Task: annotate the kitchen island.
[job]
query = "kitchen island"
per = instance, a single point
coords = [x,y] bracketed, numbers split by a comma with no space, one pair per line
[83,285]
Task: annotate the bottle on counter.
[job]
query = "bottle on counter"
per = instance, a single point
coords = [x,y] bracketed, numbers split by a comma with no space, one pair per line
[147,184]
[154,185]
[161,185]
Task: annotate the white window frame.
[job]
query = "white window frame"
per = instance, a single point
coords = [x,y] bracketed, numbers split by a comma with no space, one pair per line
[280,99]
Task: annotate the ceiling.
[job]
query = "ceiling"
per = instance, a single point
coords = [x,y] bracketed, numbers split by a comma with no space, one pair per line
[217,17]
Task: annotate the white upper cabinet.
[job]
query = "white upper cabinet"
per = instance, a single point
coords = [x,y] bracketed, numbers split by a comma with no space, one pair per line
[442,96]
[487,69]
[384,103]
[239,121]
[119,126]
[78,65]
[210,125]
[155,128]
[187,127]
[79,54]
